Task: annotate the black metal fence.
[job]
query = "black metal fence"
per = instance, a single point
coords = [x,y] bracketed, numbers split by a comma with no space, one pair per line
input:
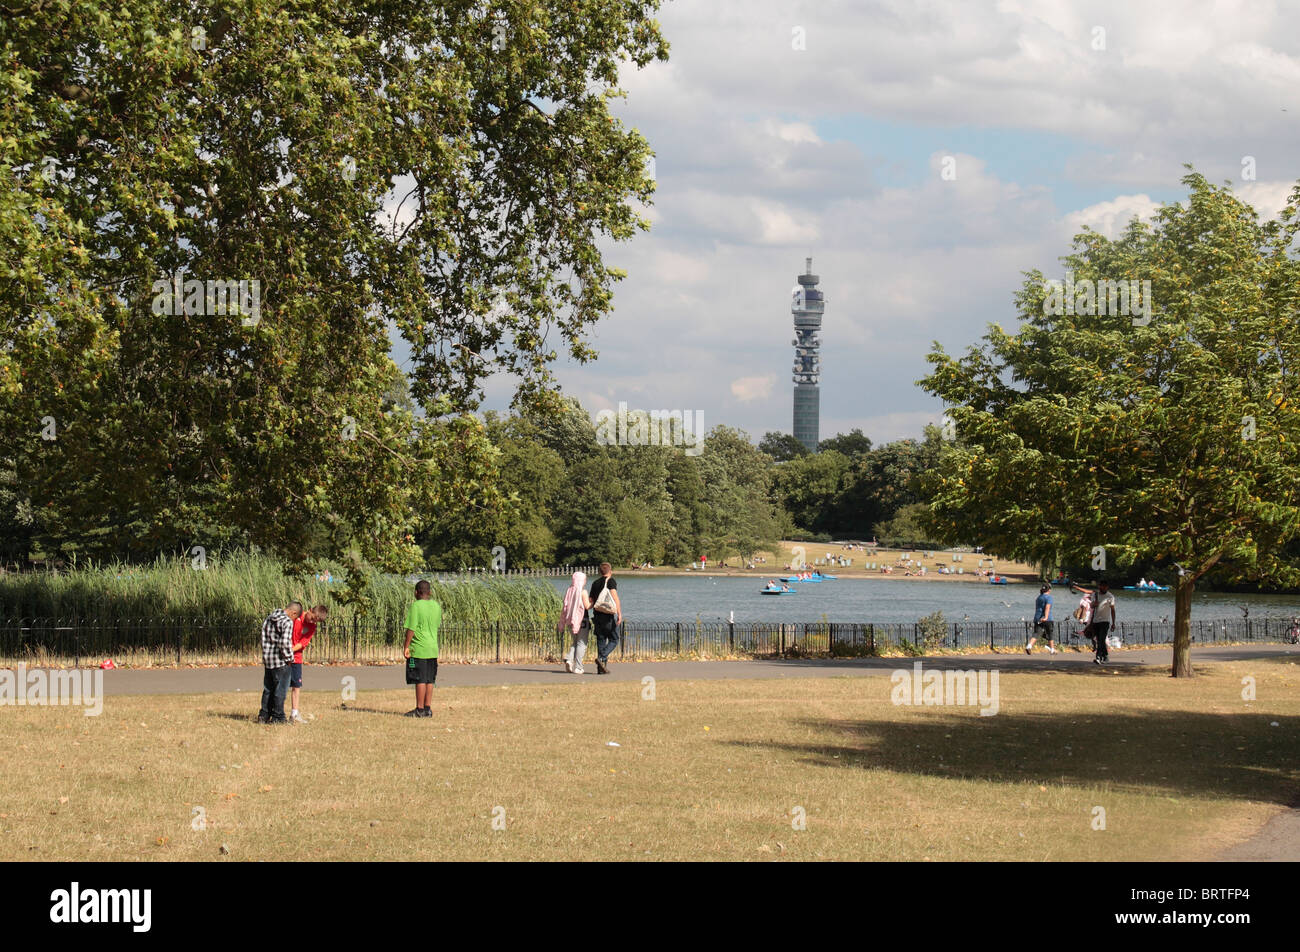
[176,640]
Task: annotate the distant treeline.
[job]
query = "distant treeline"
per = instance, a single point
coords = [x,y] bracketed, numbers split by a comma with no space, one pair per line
[555,489]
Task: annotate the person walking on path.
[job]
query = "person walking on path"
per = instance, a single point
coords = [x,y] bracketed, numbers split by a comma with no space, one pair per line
[574,619]
[1042,620]
[608,613]
[277,658]
[421,649]
[304,629]
[1083,614]
[1103,619]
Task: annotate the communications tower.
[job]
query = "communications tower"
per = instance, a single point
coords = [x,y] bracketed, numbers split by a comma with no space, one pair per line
[807,308]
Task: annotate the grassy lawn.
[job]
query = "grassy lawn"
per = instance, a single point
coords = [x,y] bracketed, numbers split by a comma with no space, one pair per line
[707,770]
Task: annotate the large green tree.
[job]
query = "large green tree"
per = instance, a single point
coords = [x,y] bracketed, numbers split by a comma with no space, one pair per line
[809,488]
[1169,434]
[737,496]
[445,173]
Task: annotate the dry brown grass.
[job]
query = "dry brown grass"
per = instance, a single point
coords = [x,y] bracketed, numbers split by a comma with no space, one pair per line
[707,770]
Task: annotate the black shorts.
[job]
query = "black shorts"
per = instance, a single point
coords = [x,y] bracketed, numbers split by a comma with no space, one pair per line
[421,670]
[1047,627]
[295,679]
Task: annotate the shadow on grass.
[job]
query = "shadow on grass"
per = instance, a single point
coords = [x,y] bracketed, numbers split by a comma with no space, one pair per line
[1121,663]
[252,718]
[1238,756]
[1008,663]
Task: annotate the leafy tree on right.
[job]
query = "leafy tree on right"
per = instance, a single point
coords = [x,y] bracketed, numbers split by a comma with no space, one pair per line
[1100,431]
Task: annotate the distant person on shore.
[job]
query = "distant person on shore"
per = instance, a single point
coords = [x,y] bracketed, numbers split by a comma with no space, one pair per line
[575,619]
[1042,620]
[421,649]
[277,656]
[1103,619]
[304,629]
[607,614]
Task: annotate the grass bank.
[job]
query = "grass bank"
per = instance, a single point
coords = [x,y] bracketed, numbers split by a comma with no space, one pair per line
[718,770]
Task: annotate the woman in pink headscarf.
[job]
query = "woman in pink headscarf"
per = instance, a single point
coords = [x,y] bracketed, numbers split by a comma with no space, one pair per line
[574,617]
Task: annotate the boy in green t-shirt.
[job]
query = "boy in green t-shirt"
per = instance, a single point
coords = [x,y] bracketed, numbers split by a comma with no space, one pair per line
[421,651]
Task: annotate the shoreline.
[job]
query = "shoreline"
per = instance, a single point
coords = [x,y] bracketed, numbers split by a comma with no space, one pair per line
[966,579]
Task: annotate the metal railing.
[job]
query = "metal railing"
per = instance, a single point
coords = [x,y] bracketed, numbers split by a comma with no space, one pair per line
[472,572]
[180,640]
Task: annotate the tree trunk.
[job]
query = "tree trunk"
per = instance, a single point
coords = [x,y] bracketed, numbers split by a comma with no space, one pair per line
[1182,667]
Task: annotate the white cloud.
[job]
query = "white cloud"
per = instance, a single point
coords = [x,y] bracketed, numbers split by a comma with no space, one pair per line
[1110,218]
[746,389]
[1268,198]
[752,179]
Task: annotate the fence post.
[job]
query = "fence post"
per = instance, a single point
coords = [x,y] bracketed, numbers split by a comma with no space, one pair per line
[731,636]
[498,641]
[783,639]
[354,638]
[622,639]
[679,638]
[830,639]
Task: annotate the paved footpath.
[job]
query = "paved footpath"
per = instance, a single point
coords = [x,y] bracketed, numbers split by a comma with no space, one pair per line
[392,676]
[1278,841]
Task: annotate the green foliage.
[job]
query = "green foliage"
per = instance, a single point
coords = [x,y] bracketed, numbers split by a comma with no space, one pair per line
[782,447]
[247,587]
[931,632]
[852,444]
[1174,439]
[272,145]
[908,528]
[809,487]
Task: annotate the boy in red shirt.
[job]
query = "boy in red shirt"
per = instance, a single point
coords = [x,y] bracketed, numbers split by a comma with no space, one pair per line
[304,628]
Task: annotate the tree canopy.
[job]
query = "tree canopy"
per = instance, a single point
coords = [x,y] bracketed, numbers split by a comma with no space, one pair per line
[1170,432]
[216,221]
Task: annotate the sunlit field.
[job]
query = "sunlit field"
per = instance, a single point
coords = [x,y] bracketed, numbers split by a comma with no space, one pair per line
[718,770]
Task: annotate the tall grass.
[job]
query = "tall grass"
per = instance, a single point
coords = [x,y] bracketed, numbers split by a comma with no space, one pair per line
[246,587]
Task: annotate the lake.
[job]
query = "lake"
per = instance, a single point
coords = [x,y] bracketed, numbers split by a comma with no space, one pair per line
[684,598]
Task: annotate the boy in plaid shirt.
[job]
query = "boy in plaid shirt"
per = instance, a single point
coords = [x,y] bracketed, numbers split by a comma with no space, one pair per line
[277,659]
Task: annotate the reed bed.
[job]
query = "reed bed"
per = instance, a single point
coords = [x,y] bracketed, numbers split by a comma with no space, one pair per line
[246,586]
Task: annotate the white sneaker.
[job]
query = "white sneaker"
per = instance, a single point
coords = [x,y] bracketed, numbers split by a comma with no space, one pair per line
[568,666]
[578,670]
[296,718]
[1051,649]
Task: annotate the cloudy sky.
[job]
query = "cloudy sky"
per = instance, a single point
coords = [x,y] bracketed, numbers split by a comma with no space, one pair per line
[1057,115]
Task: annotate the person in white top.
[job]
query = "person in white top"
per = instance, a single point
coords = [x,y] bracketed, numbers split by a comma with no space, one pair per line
[1103,618]
[1083,615]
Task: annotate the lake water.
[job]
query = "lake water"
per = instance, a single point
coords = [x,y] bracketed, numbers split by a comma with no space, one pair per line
[685,598]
